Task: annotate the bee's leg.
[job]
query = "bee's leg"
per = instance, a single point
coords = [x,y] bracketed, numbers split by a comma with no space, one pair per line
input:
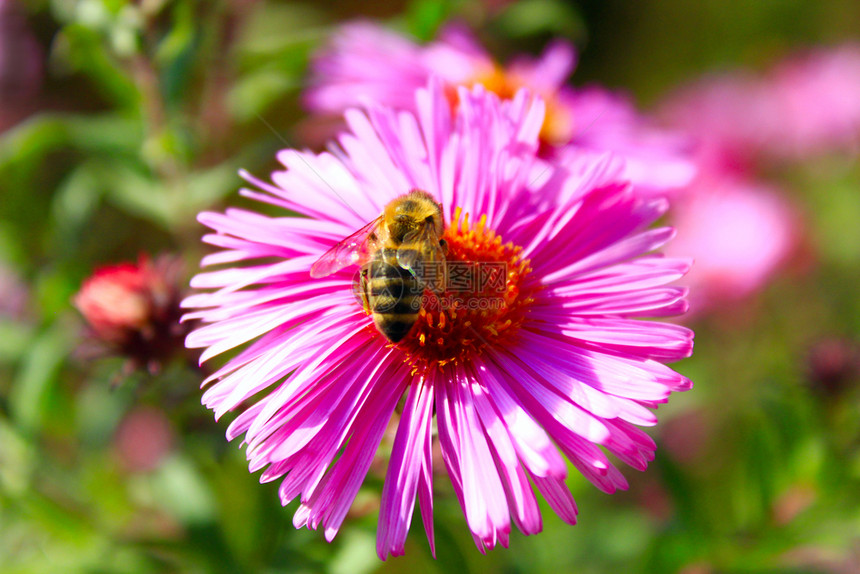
[444,246]
[363,286]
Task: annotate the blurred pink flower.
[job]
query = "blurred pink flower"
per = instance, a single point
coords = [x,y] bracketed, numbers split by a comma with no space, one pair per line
[833,365]
[806,105]
[739,229]
[366,63]
[737,232]
[816,103]
[728,116]
[14,297]
[563,362]
[143,439]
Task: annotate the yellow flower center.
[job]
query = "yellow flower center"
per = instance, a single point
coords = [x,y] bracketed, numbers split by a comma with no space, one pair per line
[484,301]
[558,124]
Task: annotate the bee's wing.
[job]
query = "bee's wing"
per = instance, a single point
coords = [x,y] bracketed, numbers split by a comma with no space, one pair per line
[422,255]
[353,250]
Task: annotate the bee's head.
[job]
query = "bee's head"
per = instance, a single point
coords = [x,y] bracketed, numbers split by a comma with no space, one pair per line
[400,225]
[412,212]
[407,208]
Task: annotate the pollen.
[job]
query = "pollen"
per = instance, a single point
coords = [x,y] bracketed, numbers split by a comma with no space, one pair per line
[482,301]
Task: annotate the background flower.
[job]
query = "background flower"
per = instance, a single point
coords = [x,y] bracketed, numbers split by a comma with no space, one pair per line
[739,226]
[815,102]
[738,233]
[803,106]
[366,63]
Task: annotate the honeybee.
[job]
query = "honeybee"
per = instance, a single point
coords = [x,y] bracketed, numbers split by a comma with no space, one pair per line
[401,253]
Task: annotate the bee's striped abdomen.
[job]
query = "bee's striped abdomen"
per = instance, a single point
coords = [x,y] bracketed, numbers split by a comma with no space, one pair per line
[393,295]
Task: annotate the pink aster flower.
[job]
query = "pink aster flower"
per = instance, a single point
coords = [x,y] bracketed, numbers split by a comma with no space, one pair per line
[739,234]
[806,105]
[503,375]
[368,63]
[816,102]
[728,116]
[738,229]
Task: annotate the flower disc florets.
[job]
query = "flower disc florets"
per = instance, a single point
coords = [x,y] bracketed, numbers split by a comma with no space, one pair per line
[485,299]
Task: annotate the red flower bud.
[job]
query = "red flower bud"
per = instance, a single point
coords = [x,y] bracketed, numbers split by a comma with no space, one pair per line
[133,309]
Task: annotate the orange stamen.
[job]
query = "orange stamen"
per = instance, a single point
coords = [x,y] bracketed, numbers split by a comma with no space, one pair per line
[484,303]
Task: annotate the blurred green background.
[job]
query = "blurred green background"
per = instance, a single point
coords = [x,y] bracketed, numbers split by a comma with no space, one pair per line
[143,114]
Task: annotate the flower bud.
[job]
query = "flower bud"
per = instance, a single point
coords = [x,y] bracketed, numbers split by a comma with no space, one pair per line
[133,309]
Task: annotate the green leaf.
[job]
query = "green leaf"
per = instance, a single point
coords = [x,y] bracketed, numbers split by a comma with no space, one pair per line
[280,29]
[84,50]
[33,384]
[77,198]
[256,91]
[184,492]
[837,212]
[180,51]
[137,194]
[17,460]
[15,339]
[125,33]
[532,17]
[356,555]
[424,17]
[13,252]
[106,134]
[99,406]
[53,289]
[206,187]
[180,36]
